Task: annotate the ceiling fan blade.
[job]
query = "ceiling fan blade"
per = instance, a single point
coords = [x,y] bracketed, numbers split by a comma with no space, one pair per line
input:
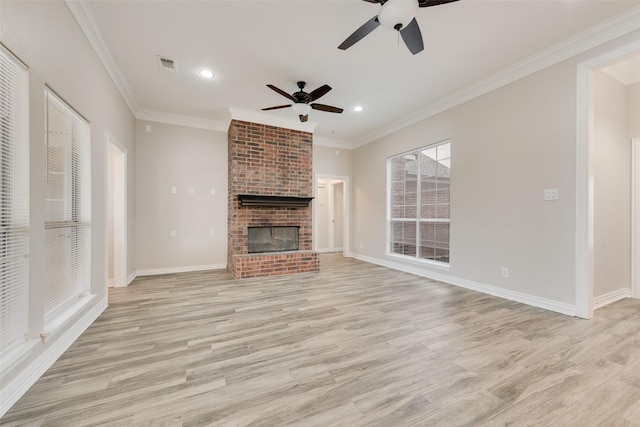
[304,118]
[412,37]
[359,34]
[427,3]
[281,92]
[276,108]
[321,91]
[373,1]
[327,108]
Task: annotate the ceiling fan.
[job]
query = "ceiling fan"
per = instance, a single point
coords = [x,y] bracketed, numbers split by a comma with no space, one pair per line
[398,15]
[303,101]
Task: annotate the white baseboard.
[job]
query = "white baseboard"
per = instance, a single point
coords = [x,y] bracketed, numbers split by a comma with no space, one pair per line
[532,300]
[611,297]
[186,269]
[131,277]
[19,384]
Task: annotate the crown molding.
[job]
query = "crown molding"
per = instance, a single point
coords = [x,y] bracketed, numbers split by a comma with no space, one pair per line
[577,44]
[333,143]
[266,119]
[181,120]
[85,18]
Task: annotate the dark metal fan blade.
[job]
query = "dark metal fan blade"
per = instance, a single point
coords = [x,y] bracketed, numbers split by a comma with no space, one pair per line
[327,108]
[427,3]
[321,91]
[413,37]
[304,118]
[276,108]
[359,34]
[373,1]
[281,92]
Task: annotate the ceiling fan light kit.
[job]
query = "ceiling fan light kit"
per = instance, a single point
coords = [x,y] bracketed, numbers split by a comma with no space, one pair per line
[398,15]
[303,102]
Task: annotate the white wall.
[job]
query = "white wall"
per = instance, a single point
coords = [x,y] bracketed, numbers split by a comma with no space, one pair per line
[46,37]
[184,158]
[612,186]
[331,161]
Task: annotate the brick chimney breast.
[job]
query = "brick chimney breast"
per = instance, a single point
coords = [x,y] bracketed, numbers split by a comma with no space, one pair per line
[269,161]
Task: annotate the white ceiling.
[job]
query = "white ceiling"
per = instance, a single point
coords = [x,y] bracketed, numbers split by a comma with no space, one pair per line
[249,44]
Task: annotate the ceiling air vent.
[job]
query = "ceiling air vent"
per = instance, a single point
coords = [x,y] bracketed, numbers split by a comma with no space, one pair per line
[166,63]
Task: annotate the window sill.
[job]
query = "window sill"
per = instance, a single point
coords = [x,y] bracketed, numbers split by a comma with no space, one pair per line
[17,355]
[54,323]
[419,262]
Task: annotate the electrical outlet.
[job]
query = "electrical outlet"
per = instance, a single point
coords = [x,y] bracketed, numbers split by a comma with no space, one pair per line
[213,232]
[174,190]
[361,246]
[173,233]
[213,191]
[192,191]
[504,271]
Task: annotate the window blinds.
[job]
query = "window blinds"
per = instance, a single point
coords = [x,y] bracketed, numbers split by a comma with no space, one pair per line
[67,223]
[14,203]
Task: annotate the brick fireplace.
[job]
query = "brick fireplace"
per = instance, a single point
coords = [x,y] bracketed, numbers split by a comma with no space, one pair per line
[274,164]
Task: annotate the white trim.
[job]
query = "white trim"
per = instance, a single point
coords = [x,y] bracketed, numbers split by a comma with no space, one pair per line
[333,143]
[54,347]
[181,120]
[119,208]
[131,277]
[611,297]
[269,120]
[81,11]
[635,218]
[186,269]
[110,283]
[581,42]
[532,300]
[584,176]
[346,217]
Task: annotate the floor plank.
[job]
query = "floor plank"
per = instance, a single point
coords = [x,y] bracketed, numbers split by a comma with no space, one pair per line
[353,345]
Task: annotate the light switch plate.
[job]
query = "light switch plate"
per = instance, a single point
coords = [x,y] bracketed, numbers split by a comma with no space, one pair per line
[551,194]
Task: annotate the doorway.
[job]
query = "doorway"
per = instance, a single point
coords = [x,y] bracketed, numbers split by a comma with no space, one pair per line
[116,214]
[586,183]
[331,214]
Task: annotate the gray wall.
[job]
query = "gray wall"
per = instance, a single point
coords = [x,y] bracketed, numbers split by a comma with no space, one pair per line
[184,158]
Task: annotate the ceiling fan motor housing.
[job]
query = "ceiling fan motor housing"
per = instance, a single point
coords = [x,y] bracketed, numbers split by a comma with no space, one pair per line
[397,14]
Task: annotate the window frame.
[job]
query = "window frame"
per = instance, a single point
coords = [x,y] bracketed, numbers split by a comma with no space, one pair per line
[418,220]
[73,220]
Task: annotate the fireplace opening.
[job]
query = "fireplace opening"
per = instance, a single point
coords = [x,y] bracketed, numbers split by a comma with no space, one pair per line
[273,239]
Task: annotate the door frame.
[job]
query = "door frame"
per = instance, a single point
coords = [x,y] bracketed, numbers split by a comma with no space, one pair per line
[635,217]
[119,209]
[584,227]
[346,247]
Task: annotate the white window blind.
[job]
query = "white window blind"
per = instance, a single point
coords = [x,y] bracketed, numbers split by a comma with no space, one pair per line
[67,216]
[14,203]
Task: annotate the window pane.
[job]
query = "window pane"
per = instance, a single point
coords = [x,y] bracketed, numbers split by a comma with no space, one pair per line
[403,238]
[434,241]
[404,187]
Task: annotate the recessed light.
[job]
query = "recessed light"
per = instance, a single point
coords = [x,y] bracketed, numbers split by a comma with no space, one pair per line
[206,74]
[358,108]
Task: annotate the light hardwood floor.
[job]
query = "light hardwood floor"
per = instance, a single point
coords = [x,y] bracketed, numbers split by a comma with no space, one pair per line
[353,345]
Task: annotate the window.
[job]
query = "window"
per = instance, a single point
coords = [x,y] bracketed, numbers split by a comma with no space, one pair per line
[419,200]
[67,213]
[14,203]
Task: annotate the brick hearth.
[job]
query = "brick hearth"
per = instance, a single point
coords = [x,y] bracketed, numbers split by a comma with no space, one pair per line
[269,161]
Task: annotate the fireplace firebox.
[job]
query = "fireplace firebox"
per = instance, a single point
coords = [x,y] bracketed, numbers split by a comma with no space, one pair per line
[273,239]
